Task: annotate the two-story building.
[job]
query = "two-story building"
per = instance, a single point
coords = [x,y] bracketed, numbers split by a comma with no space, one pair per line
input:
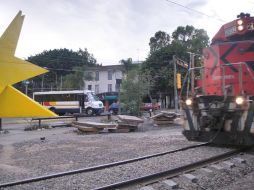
[103,79]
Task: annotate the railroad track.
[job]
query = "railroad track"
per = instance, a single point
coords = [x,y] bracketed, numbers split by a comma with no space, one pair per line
[171,172]
[99,167]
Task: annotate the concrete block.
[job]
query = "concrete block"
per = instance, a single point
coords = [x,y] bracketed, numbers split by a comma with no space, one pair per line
[191,178]
[170,183]
[228,164]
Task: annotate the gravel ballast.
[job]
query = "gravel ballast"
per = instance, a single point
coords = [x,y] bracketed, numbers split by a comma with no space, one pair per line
[25,155]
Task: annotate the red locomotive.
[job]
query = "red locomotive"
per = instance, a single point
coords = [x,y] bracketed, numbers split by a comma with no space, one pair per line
[221,107]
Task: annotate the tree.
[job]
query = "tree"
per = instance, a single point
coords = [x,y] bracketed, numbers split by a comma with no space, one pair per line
[62,64]
[159,62]
[194,40]
[131,93]
[160,40]
[74,80]
[127,63]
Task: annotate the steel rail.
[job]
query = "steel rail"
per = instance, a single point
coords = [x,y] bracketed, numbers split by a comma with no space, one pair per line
[99,167]
[172,172]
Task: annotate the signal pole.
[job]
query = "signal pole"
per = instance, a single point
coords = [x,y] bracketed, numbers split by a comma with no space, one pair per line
[192,74]
[175,87]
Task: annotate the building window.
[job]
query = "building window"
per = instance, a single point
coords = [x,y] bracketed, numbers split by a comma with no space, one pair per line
[89,76]
[117,87]
[97,89]
[97,75]
[118,83]
[110,73]
[109,87]
[89,87]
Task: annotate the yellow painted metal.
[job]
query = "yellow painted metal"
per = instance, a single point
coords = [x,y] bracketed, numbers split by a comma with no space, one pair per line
[9,39]
[12,70]
[13,103]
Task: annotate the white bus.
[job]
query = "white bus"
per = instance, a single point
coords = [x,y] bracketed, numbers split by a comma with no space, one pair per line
[75,101]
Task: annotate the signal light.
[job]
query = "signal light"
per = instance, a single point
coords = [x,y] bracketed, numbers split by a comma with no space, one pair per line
[178,81]
[188,102]
[240,22]
[240,28]
[239,100]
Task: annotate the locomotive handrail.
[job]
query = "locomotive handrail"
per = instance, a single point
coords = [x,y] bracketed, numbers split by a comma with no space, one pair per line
[223,78]
[240,63]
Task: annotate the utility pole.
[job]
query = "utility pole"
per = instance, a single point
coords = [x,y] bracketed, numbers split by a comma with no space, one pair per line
[192,74]
[175,88]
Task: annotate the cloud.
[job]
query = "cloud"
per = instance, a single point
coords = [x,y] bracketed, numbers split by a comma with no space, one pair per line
[111,29]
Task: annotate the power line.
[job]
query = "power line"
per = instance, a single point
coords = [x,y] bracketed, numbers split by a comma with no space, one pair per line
[194,10]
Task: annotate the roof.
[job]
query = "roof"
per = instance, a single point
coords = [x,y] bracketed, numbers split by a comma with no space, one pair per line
[64,92]
[106,68]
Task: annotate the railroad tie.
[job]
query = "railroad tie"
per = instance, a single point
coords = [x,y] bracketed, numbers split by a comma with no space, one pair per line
[170,183]
[190,177]
[147,188]
[228,164]
[206,170]
[217,167]
[239,160]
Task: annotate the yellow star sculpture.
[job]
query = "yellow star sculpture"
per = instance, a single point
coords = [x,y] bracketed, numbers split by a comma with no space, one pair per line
[13,103]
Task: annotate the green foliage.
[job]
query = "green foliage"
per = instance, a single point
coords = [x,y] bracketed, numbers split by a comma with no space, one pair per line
[127,63]
[132,92]
[74,80]
[194,40]
[160,40]
[159,63]
[65,68]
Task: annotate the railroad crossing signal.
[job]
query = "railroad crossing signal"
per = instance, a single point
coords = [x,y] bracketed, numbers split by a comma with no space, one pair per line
[178,81]
[13,103]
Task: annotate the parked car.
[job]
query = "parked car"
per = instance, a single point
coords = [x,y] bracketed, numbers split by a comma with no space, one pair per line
[149,106]
[113,108]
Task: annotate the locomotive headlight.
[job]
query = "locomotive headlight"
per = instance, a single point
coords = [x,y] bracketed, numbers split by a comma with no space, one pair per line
[188,102]
[239,100]
[240,22]
[240,27]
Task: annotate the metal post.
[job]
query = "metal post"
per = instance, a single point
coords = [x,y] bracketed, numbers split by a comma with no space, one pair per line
[26,88]
[61,83]
[192,74]
[1,124]
[241,78]
[188,75]
[56,79]
[175,89]
[223,81]
[42,82]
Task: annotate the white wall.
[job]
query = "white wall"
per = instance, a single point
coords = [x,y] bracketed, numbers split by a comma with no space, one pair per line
[103,80]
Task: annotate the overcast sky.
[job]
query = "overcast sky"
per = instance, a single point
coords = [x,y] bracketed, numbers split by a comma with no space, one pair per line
[111,29]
